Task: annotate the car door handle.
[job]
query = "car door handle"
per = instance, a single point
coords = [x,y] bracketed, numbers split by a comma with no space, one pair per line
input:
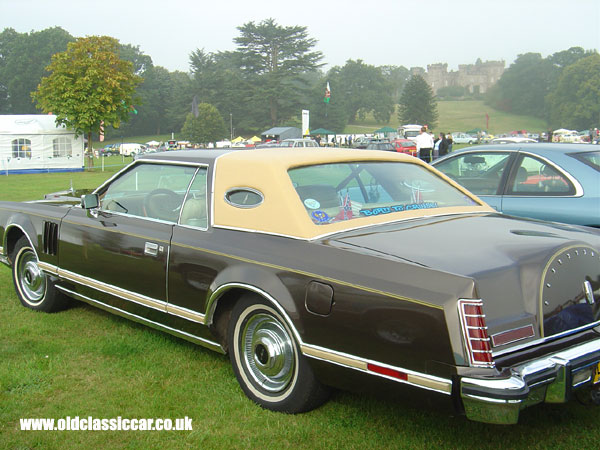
[151,249]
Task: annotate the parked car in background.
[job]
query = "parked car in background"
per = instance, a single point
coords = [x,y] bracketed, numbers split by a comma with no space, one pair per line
[558,182]
[362,142]
[405,146]
[130,149]
[463,138]
[298,143]
[320,268]
[512,140]
[410,131]
[108,150]
[385,146]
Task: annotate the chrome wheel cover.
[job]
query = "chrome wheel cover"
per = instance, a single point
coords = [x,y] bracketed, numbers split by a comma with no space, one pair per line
[31,279]
[268,352]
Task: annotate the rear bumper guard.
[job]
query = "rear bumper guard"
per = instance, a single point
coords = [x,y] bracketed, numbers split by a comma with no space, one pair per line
[550,379]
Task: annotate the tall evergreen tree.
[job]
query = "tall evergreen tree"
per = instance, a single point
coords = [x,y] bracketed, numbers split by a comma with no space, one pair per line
[417,103]
[273,58]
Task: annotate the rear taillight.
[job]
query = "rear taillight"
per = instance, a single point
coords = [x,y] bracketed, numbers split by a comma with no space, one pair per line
[477,341]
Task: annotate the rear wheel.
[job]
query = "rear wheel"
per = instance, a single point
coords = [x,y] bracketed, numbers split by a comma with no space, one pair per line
[34,288]
[267,361]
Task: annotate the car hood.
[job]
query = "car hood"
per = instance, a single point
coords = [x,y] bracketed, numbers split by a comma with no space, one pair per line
[528,273]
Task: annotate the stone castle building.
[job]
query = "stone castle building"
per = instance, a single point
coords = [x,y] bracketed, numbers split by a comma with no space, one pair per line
[476,78]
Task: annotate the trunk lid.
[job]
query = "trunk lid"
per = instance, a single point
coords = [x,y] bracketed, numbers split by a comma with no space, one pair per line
[536,279]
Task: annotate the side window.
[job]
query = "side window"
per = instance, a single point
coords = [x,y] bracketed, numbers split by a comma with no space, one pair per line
[155,191]
[194,212]
[534,177]
[480,173]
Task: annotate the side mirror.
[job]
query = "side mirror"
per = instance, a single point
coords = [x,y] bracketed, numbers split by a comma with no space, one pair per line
[89,201]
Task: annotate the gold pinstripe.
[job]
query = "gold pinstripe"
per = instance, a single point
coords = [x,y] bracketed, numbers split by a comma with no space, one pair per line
[312,275]
[117,231]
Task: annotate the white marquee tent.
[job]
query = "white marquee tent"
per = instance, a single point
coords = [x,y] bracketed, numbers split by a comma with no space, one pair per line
[33,143]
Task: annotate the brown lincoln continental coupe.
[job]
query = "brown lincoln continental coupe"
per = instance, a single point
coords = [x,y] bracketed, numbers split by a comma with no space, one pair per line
[318,268]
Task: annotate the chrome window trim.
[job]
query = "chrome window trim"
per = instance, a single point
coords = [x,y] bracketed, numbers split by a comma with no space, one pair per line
[151,219]
[193,227]
[146,161]
[578,188]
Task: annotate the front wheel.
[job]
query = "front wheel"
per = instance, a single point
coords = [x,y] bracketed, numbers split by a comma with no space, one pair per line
[34,288]
[267,362]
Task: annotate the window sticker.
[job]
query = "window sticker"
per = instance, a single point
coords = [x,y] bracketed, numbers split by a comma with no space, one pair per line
[398,208]
[320,216]
[311,203]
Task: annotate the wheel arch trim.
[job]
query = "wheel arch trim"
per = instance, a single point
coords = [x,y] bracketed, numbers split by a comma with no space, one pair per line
[414,378]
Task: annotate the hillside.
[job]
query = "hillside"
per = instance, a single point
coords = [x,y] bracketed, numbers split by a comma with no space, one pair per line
[464,116]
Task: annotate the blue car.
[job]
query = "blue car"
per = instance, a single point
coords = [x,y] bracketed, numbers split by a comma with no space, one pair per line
[548,181]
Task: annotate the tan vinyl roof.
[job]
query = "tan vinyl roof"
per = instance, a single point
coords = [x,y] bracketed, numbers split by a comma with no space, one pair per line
[282,211]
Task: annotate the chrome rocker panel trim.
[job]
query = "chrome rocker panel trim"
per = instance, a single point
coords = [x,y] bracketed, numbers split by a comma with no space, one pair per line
[549,379]
[158,326]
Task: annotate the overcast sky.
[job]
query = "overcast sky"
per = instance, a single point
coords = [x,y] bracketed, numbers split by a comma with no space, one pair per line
[380,32]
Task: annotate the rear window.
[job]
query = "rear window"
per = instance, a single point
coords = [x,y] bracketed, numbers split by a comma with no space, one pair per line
[592,159]
[334,192]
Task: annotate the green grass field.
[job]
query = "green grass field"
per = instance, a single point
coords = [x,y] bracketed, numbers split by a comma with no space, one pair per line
[85,362]
[463,116]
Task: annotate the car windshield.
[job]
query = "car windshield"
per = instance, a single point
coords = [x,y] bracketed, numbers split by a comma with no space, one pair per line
[592,159]
[335,192]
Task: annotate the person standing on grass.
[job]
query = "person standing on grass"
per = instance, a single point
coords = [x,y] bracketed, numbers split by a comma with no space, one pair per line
[424,145]
[443,147]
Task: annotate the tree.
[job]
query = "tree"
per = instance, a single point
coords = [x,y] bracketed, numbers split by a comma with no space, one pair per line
[363,89]
[88,85]
[217,80]
[417,103]
[180,101]
[272,59]
[23,61]
[575,103]
[208,126]
[523,86]
[397,78]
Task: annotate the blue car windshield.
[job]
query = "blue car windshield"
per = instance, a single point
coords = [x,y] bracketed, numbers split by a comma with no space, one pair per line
[347,191]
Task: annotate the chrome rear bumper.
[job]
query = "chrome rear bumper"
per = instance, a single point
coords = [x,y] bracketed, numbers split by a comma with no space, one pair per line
[549,379]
